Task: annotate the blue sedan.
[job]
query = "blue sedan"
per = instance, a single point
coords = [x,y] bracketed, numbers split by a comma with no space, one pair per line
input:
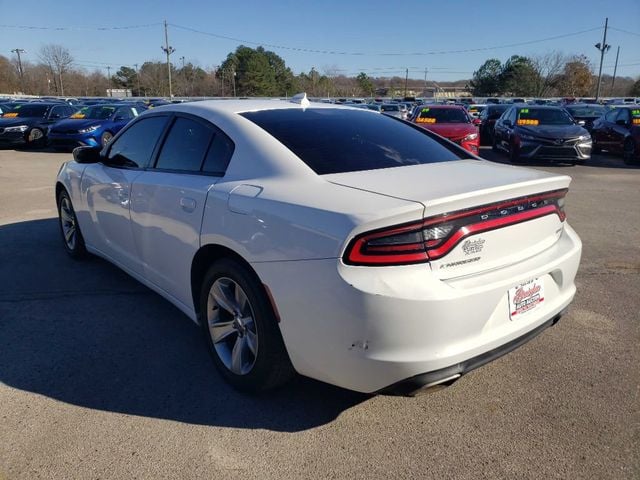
[92,126]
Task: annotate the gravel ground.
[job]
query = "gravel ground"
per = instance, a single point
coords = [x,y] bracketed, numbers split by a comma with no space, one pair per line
[101,378]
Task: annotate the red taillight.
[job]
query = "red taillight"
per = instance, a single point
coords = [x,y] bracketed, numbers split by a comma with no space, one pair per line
[434,237]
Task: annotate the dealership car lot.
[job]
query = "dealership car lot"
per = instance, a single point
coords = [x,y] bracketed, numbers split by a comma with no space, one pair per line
[99,377]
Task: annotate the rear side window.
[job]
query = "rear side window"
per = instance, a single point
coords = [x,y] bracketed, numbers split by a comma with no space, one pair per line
[185,146]
[332,140]
[219,155]
[135,146]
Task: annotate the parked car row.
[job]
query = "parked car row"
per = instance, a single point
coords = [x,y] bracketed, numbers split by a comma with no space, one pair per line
[63,126]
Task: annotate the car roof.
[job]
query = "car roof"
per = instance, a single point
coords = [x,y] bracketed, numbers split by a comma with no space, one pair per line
[242,106]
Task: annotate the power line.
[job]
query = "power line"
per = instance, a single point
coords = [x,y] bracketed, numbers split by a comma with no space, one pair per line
[625,31]
[333,52]
[97,28]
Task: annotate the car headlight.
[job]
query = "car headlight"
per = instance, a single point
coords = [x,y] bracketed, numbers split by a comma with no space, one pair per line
[584,138]
[527,137]
[471,136]
[19,128]
[93,128]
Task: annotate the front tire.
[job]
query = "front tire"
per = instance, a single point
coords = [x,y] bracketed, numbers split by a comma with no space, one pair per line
[629,152]
[105,138]
[241,330]
[35,137]
[514,155]
[69,228]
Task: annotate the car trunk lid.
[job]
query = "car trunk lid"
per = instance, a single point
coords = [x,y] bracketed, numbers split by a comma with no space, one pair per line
[499,214]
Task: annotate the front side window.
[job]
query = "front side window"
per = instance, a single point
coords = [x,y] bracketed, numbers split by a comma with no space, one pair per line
[135,146]
[185,146]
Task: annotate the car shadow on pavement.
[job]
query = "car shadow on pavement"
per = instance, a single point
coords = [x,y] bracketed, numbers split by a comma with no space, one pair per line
[85,333]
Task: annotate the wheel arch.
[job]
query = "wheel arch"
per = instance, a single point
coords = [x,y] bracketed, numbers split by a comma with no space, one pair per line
[202,260]
[59,188]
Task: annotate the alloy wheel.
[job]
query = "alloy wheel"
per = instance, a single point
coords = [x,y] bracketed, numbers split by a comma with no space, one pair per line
[232,327]
[68,222]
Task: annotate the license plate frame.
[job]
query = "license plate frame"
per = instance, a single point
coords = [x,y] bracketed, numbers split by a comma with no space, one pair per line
[525,298]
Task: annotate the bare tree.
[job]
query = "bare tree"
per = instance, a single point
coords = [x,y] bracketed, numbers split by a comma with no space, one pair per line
[549,68]
[58,59]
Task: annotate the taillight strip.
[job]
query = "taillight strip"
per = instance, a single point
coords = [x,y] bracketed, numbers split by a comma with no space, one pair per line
[488,225]
[359,252]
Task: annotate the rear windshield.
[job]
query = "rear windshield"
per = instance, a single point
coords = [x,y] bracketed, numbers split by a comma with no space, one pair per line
[587,111]
[390,108]
[333,140]
[442,115]
[27,110]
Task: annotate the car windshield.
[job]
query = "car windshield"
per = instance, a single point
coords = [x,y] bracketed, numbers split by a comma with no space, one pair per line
[94,113]
[543,116]
[333,140]
[587,111]
[442,115]
[27,110]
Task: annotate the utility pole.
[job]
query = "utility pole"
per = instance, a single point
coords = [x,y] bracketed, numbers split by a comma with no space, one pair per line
[406,79]
[615,70]
[234,83]
[603,47]
[425,80]
[137,78]
[109,81]
[168,50]
[18,51]
[182,58]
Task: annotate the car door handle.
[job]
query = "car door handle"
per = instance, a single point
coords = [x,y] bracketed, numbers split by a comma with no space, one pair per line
[187,204]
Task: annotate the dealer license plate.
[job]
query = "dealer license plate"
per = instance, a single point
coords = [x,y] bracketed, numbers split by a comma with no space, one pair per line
[525,298]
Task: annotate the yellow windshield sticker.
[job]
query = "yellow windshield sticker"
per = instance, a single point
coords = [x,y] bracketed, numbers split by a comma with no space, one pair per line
[426,120]
[77,115]
[528,121]
[10,115]
[636,121]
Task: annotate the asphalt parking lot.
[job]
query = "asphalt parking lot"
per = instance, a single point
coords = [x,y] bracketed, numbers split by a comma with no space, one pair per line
[101,378]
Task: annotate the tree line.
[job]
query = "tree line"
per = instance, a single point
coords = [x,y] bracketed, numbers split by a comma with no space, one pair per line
[550,75]
[259,72]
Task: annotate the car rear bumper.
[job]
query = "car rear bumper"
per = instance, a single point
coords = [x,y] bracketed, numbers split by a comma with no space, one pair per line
[369,328]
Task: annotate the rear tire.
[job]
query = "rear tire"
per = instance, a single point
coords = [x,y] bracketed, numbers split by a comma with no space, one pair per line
[241,330]
[69,227]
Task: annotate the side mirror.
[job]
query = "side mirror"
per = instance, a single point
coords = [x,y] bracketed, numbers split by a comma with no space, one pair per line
[119,118]
[622,123]
[55,116]
[87,154]
[477,121]
[507,123]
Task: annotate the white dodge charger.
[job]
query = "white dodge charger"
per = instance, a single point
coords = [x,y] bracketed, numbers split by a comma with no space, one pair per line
[338,243]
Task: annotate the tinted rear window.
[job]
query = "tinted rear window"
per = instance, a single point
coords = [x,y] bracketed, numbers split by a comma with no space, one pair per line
[337,141]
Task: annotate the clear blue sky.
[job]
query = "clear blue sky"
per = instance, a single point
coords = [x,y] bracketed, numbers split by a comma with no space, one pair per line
[372,28]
